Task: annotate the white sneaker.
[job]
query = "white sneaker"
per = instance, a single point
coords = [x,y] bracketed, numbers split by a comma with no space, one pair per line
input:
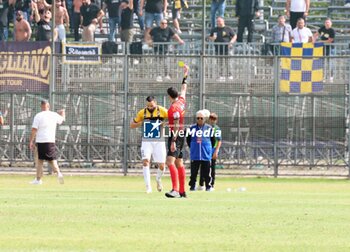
[347,5]
[211,189]
[159,185]
[148,190]
[159,78]
[167,78]
[60,178]
[201,188]
[36,182]
[331,79]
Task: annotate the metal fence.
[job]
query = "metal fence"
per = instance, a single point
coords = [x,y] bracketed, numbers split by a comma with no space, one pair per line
[265,131]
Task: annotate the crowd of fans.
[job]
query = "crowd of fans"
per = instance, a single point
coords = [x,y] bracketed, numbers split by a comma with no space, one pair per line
[32,20]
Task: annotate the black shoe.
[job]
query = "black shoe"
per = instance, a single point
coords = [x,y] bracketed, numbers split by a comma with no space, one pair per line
[183,195]
[192,188]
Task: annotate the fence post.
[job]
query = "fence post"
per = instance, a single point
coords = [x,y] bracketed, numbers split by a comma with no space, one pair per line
[126,118]
[276,61]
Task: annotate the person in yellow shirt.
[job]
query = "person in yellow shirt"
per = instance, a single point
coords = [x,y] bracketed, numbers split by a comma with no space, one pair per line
[151,118]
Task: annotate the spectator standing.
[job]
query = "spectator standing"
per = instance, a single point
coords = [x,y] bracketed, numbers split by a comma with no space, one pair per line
[301,34]
[76,18]
[281,32]
[246,10]
[296,9]
[326,34]
[200,140]
[43,138]
[225,37]
[176,13]
[23,32]
[150,147]
[4,21]
[44,30]
[113,17]
[61,21]
[91,15]
[176,117]
[155,10]
[127,21]
[162,34]
[217,9]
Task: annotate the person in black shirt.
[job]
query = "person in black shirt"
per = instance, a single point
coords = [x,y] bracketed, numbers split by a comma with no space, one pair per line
[44,26]
[225,37]
[245,11]
[162,35]
[127,21]
[326,34]
[91,15]
[113,16]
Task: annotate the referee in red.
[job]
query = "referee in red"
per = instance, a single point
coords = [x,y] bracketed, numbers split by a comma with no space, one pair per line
[176,116]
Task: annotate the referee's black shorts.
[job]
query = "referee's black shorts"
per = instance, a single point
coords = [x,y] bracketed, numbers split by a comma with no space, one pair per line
[47,151]
[179,145]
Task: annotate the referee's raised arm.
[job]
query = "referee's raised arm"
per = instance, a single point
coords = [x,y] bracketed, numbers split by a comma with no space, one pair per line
[184,82]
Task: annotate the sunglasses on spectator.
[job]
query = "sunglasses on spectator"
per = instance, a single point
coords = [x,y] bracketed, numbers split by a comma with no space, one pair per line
[199,118]
[212,118]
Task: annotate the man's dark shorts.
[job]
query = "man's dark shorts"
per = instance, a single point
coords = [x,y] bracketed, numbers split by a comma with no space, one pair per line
[179,145]
[47,151]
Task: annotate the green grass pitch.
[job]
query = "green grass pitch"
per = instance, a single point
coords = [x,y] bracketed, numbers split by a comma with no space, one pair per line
[115,214]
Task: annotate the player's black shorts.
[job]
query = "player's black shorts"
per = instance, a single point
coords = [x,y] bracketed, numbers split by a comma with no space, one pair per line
[179,145]
[46,151]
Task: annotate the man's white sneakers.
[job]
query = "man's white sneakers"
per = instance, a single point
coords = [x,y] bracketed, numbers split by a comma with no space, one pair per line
[36,182]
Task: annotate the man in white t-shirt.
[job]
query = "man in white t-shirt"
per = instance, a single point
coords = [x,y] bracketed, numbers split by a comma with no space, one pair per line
[44,135]
[296,9]
[301,34]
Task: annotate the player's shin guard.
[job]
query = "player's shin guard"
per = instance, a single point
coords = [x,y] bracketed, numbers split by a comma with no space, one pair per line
[182,178]
[174,177]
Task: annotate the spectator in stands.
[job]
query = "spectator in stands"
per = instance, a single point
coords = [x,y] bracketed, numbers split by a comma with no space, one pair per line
[127,21]
[216,148]
[22,5]
[162,35]
[217,9]
[40,5]
[22,28]
[176,13]
[225,37]
[281,32]
[246,10]
[44,30]
[155,115]
[155,10]
[326,34]
[301,34]
[1,119]
[76,16]
[42,140]
[296,9]
[91,15]
[4,21]
[200,143]
[113,16]
[61,21]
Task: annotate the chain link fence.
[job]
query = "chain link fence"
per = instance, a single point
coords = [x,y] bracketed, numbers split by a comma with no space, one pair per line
[265,131]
